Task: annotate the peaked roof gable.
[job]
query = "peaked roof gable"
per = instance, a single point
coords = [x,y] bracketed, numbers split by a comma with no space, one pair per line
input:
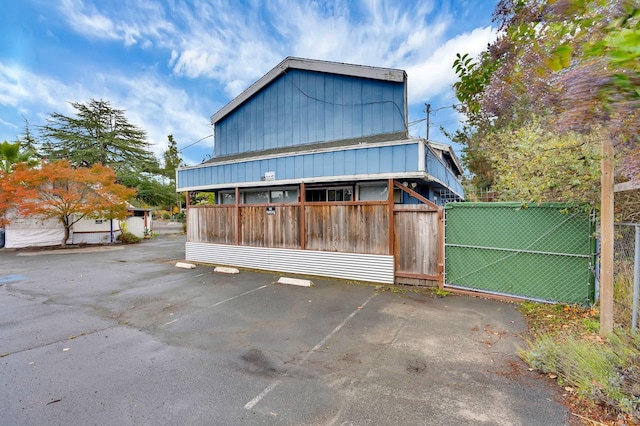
[376,73]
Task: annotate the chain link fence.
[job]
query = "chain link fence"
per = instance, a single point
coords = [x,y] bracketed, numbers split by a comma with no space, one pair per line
[539,252]
[626,275]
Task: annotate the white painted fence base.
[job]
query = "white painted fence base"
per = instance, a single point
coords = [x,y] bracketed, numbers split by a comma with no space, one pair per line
[349,266]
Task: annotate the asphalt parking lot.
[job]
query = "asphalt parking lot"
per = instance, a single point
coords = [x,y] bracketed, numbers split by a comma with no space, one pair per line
[119,336]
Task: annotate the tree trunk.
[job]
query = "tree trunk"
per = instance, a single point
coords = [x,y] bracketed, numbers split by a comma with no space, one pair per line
[66,235]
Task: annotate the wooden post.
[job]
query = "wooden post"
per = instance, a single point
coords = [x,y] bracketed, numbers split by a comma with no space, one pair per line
[237,217]
[606,238]
[303,216]
[392,235]
[186,206]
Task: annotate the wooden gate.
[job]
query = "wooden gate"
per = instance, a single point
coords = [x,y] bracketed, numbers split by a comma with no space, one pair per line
[418,242]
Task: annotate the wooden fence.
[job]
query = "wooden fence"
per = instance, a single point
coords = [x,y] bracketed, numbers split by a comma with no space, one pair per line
[411,233]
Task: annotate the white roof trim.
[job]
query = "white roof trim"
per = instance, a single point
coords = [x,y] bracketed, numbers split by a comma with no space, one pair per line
[376,73]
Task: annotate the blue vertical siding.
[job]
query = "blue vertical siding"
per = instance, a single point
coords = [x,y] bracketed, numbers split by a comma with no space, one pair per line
[362,161]
[437,169]
[303,107]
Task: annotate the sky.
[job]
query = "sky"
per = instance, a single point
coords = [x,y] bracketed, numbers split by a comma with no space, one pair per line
[171,64]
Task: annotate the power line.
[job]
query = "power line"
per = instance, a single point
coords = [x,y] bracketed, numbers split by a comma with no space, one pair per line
[430,111]
[445,107]
[417,121]
[192,144]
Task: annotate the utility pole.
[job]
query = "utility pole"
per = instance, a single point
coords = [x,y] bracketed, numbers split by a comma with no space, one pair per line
[428,110]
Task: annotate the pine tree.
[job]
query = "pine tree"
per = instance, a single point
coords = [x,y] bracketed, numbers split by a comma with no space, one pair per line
[172,160]
[98,134]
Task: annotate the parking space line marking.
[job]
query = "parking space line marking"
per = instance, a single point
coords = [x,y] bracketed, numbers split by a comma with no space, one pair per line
[184,279]
[249,405]
[224,301]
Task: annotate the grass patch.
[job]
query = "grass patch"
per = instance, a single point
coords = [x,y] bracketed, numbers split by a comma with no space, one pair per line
[603,376]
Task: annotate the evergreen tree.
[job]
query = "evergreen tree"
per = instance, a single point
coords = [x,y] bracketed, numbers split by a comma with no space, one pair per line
[172,160]
[27,141]
[98,134]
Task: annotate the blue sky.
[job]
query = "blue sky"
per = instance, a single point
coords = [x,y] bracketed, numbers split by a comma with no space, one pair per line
[171,64]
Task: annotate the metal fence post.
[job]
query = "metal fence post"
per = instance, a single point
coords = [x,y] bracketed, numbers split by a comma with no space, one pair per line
[636,279]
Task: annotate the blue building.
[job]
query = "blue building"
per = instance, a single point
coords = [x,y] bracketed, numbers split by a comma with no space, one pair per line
[312,133]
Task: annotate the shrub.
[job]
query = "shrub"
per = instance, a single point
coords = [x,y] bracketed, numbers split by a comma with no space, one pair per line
[128,238]
[603,372]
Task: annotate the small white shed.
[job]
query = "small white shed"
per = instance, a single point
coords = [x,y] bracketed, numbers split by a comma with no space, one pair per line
[35,232]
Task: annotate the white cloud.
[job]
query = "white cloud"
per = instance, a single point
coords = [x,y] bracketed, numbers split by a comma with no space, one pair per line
[434,75]
[135,21]
[161,110]
[150,103]
[90,23]
[230,45]
[235,45]
[6,123]
[383,34]
[19,86]
[223,43]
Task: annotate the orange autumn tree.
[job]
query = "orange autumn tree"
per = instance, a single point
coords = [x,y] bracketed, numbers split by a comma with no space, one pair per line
[59,191]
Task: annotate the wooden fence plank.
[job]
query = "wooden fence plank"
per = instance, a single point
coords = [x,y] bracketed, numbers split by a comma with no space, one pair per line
[416,242]
[278,228]
[348,228]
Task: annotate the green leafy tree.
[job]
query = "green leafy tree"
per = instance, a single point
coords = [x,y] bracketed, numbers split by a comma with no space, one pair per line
[12,154]
[98,134]
[568,66]
[551,166]
[150,189]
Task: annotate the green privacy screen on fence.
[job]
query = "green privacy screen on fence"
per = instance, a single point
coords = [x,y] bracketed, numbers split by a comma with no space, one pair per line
[540,252]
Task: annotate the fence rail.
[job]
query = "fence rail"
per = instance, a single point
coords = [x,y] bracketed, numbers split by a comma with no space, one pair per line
[347,228]
[410,233]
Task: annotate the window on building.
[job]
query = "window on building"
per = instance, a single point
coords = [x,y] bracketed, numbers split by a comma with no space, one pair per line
[340,194]
[284,196]
[377,192]
[255,197]
[329,194]
[227,197]
[315,195]
[370,193]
